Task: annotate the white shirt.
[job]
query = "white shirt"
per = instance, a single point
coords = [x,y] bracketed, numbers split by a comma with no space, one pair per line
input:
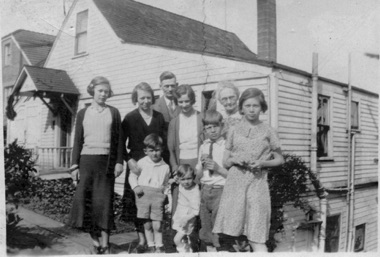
[188,136]
[153,174]
[217,156]
[168,102]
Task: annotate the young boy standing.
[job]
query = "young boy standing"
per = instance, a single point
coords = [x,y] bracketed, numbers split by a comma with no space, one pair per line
[149,186]
[211,174]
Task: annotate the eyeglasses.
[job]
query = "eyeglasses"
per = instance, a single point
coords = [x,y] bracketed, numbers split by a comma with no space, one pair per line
[225,99]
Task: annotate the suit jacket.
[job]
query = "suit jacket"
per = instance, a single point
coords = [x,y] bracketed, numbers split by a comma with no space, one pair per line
[160,106]
[116,147]
[173,138]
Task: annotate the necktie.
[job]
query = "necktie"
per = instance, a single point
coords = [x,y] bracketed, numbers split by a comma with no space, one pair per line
[210,154]
[171,105]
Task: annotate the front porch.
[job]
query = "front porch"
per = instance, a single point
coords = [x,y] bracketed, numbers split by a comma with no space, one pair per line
[53,160]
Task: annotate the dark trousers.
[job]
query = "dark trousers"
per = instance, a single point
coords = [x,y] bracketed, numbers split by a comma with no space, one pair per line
[210,198]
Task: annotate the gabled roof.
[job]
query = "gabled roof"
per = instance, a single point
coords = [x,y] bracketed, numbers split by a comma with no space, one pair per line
[36,46]
[46,80]
[138,23]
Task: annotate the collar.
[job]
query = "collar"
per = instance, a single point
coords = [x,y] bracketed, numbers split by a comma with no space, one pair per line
[167,101]
[148,160]
[219,141]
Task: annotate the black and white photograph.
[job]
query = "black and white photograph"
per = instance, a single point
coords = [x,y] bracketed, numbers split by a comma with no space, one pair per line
[198,127]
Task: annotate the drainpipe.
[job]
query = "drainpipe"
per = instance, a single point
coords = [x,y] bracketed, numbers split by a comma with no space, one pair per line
[349,167]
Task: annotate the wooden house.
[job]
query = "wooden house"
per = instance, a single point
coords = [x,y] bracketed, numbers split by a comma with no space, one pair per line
[130,42]
[19,48]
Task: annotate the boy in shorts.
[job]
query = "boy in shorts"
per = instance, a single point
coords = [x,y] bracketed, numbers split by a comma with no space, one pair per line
[150,186]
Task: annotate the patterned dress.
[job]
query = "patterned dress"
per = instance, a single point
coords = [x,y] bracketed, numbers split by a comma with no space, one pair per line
[245,207]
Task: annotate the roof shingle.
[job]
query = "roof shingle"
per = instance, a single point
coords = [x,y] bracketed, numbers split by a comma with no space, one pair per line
[138,23]
[51,80]
[35,45]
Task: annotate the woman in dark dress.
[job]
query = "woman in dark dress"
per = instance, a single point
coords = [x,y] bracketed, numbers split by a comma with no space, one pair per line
[97,159]
[136,126]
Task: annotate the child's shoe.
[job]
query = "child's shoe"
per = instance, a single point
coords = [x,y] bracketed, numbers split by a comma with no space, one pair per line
[160,249]
[151,249]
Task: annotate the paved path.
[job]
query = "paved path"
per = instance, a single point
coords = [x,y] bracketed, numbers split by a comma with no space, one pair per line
[39,235]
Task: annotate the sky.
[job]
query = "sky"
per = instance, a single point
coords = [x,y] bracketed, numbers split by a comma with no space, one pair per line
[334,29]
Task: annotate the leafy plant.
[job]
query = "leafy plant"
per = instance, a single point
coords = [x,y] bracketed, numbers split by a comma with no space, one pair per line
[287,184]
[18,164]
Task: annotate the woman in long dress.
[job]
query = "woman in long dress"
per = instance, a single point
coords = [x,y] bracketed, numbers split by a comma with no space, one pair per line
[97,159]
[251,147]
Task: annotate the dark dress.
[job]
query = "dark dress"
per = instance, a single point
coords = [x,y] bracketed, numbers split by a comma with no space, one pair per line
[92,206]
[135,130]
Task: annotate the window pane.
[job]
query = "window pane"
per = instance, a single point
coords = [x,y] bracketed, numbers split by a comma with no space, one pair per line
[332,234]
[355,115]
[81,43]
[359,238]
[82,22]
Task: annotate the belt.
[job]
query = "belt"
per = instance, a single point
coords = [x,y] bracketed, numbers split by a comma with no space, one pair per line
[212,186]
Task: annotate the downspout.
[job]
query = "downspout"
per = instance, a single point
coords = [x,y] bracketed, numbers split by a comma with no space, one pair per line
[349,171]
[313,157]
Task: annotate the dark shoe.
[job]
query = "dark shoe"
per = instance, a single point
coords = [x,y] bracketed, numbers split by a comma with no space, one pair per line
[139,249]
[96,249]
[160,249]
[104,250]
[151,249]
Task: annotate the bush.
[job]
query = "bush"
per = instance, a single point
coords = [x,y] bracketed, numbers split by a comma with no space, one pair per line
[18,164]
[287,184]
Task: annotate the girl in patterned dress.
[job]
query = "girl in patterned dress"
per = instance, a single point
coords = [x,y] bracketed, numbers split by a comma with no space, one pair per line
[251,147]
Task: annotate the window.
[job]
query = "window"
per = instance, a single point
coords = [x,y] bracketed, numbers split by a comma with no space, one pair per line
[332,234]
[81,33]
[7,54]
[207,100]
[324,130]
[354,115]
[359,238]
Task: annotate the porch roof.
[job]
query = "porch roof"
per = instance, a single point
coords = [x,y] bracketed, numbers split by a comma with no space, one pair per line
[33,79]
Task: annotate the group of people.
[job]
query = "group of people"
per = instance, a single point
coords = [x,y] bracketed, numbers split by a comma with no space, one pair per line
[212,165]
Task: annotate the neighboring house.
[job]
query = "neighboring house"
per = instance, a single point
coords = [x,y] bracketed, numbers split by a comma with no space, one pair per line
[19,48]
[129,42]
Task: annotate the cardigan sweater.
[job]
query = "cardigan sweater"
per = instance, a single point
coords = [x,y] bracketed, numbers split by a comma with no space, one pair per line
[116,147]
[135,130]
[173,138]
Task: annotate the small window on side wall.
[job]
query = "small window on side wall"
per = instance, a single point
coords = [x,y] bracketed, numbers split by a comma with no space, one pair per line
[354,115]
[323,123]
[7,54]
[359,238]
[332,234]
[81,33]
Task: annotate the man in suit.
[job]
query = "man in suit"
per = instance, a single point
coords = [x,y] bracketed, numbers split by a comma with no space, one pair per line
[165,104]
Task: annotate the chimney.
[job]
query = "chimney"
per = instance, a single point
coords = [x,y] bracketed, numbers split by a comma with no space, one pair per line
[266,30]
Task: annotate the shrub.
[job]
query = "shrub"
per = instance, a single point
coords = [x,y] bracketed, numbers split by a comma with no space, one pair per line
[287,184]
[18,164]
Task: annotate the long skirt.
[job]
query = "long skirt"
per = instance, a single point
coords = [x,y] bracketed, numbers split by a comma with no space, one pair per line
[92,207]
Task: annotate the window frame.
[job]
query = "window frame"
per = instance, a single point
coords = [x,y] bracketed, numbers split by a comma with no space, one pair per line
[7,54]
[79,34]
[358,115]
[357,228]
[329,156]
[338,215]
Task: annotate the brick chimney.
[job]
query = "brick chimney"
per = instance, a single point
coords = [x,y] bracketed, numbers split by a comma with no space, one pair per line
[266,30]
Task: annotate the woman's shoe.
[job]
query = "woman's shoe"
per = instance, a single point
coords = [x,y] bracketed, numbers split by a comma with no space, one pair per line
[104,250]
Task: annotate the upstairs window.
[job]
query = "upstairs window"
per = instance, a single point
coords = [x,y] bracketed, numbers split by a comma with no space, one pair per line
[81,33]
[354,115]
[7,54]
[324,129]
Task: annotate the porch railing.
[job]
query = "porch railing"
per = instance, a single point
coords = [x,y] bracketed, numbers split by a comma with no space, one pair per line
[53,158]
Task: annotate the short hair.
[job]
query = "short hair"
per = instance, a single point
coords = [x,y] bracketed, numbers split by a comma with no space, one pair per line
[253,93]
[223,85]
[153,141]
[184,169]
[212,117]
[184,90]
[99,80]
[145,87]
[167,75]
